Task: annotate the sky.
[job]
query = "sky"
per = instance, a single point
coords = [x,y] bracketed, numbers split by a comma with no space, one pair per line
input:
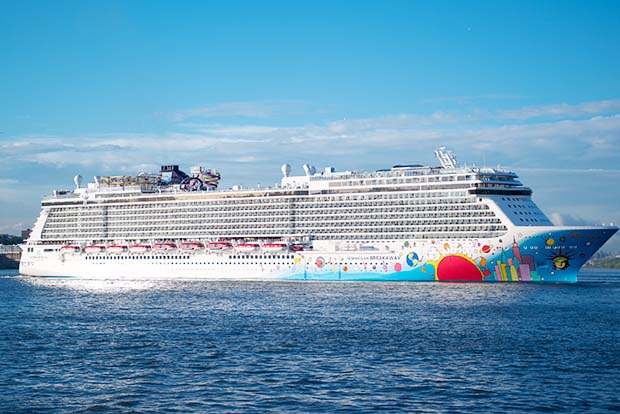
[120,87]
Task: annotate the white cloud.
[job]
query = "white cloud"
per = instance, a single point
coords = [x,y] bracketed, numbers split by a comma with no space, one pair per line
[266,109]
[594,171]
[250,153]
[562,110]
[561,143]
[13,228]
[472,98]
[19,205]
[560,219]
[244,109]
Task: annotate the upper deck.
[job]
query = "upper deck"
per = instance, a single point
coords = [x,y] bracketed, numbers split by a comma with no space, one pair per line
[399,178]
[405,201]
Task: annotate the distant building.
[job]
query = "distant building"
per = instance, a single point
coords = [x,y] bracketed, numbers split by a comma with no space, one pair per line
[9,249]
[9,256]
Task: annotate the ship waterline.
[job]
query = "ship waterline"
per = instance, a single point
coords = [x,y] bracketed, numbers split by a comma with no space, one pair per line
[407,223]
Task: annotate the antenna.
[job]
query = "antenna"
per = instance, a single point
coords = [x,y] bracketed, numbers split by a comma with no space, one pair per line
[446,158]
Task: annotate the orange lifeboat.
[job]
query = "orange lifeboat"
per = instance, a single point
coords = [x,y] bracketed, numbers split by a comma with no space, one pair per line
[164,246]
[192,245]
[274,247]
[247,247]
[140,248]
[117,249]
[220,245]
[94,249]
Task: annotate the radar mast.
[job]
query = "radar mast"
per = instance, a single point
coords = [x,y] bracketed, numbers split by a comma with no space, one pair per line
[446,158]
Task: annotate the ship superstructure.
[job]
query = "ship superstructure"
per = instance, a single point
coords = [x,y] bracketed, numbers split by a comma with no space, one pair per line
[408,222]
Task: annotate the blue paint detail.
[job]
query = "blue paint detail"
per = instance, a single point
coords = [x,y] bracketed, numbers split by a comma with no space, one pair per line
[410,275]
[412,259]
[531,260]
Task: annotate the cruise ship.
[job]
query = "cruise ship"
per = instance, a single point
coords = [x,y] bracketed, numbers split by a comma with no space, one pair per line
[405,223]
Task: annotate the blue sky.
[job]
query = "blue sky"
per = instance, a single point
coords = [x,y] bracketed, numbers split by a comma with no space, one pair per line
[120,87]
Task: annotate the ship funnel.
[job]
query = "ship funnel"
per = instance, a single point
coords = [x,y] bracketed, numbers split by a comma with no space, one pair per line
[446,158]
[312,170]
[78,181]
[286,169]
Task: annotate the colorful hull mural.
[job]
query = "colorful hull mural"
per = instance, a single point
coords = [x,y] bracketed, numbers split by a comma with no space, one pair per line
[523,255]
[551,256]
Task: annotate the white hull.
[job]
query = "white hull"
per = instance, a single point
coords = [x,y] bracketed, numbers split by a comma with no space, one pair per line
[409,222]
[421,260]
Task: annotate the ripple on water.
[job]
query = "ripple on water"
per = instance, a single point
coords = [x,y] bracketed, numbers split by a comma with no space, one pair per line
[115,346]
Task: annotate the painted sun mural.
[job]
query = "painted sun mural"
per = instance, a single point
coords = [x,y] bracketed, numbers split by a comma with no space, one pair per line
[452,264]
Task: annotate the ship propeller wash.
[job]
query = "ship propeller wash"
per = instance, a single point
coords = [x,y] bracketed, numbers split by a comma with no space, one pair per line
[405,223]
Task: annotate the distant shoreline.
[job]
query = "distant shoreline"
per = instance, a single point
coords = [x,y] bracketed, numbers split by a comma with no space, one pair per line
[8,263]
[604,263]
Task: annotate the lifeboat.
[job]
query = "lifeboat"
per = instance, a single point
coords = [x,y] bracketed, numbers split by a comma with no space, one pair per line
[70,249]
[117,249]
[219,246]
[192,246]
[164,246]
[247,247]
[94,249]
[274,247]
[140,248]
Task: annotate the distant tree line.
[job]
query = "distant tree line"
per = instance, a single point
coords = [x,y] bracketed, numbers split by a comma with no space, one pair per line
[10,239]
[604,260]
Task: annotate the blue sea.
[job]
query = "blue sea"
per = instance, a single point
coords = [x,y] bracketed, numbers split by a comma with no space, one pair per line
[250,347]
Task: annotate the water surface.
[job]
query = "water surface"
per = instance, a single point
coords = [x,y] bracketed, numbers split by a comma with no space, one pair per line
[111,346]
